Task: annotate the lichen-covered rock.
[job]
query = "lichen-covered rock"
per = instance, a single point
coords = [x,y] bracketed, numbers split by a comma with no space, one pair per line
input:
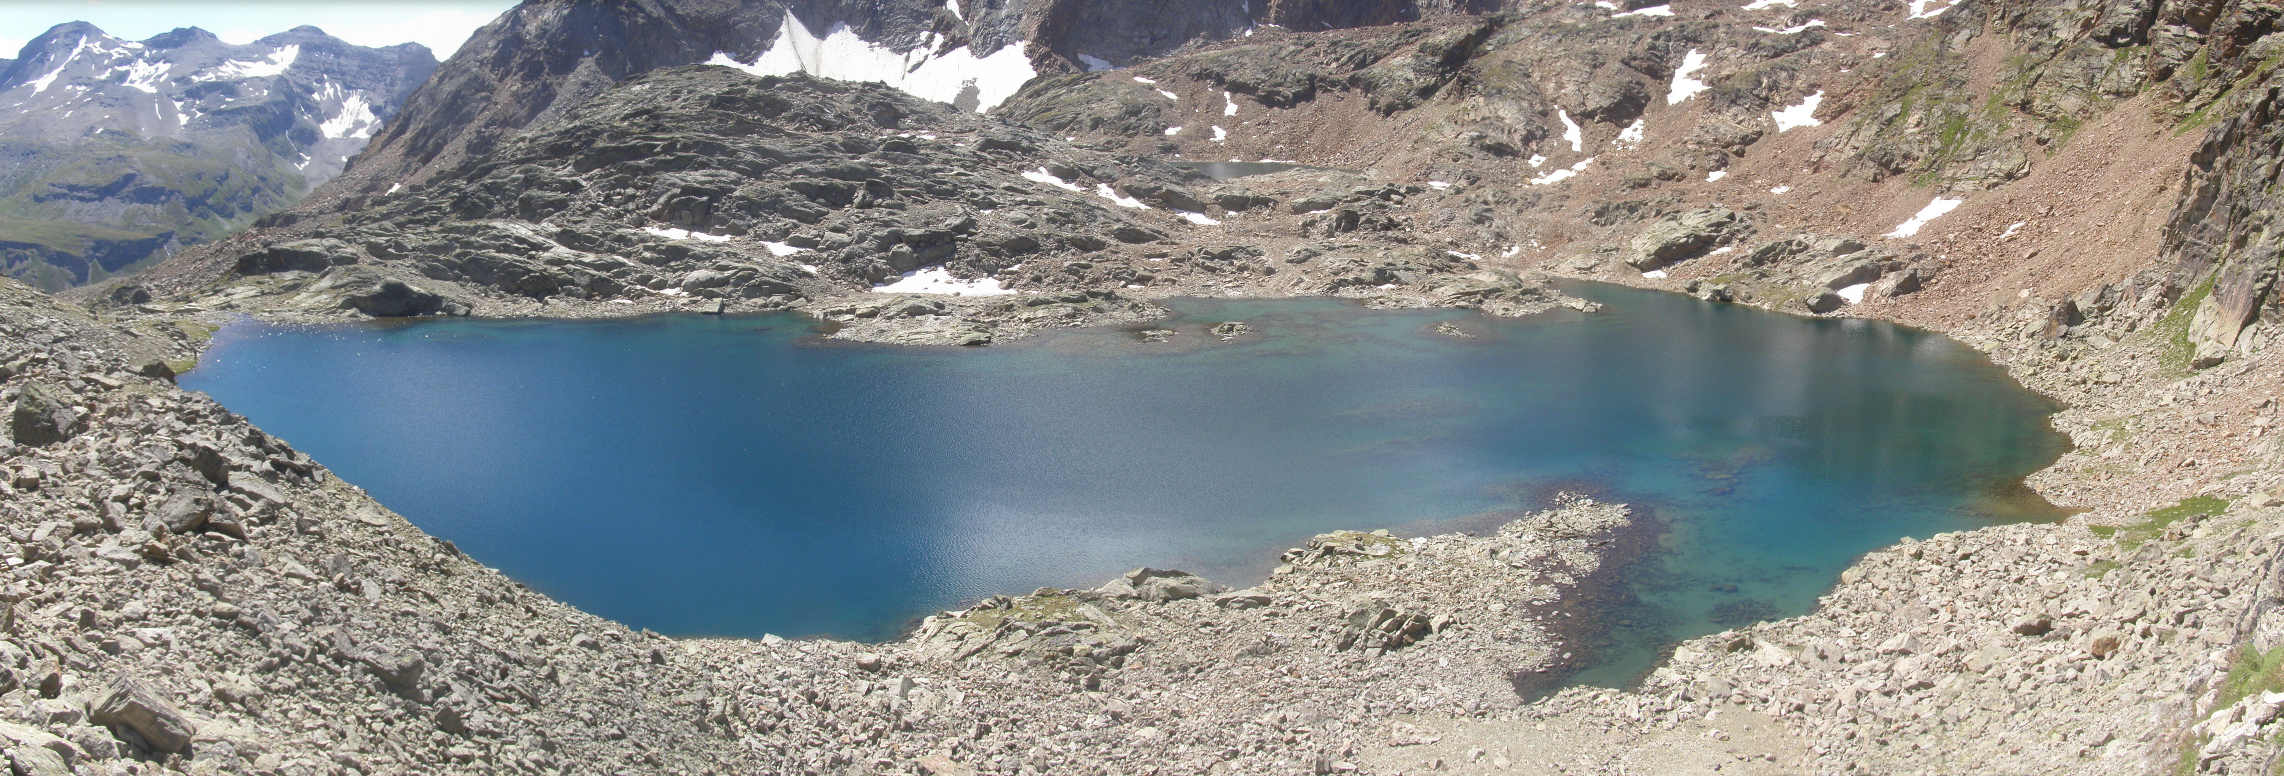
[41,415]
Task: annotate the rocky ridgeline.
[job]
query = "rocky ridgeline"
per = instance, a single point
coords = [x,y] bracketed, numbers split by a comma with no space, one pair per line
[708,189]
[185,593]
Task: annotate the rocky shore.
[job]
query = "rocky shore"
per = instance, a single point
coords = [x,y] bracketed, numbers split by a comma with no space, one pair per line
[187,593]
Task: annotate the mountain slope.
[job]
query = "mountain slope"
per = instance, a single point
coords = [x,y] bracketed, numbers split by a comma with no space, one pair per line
[122,152]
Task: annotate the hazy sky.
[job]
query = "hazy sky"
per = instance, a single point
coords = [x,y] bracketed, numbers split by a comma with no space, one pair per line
[440,25]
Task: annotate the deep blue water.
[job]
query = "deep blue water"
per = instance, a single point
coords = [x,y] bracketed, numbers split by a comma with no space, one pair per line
[736,475]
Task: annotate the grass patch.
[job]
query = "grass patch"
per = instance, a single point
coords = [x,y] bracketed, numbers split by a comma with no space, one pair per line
[1043,607]
[2100,568]
[2113,429]
[2174,329]
[2154,522]
[2250,671]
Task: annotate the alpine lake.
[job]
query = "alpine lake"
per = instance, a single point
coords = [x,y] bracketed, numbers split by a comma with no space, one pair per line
[741,475]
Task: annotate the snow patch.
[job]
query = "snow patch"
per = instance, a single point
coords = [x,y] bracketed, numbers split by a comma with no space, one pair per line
[1756,5]
[954,7]
[1797,116]
[1566,173]
[809,268]
[1655,10]
[1200,219]
[1094,64]
[1041,175]
[1920,9]
[1685,83]
[1219,134]
[1630,136]
[1537,160]
[783,249]
[1228,105]
[1781,190]
[2011,229]
[1439,185]
[145,76]
[273,65]
[1169,95]
[1171,131]
[840,54]
[41,83]
[1934,210]
[1716,175]
[355,119]
[1570,132]
[937,280]
[1793,30]
[1141,80]
[685,234]
[1104,191]
[1855,293]
[393,188]
[1655,274]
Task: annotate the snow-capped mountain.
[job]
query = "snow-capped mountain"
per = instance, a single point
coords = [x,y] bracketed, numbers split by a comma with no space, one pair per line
[126,150]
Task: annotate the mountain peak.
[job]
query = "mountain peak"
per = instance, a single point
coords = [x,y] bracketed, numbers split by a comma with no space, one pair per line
[302,34]
[65,34]
[179,37]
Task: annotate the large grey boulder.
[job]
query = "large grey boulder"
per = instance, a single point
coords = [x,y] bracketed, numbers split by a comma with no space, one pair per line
[1150,584]
[1682,236]
[133,707]
[41,416]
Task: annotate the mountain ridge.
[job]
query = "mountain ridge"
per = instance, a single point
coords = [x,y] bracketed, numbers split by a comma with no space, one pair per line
[127,151]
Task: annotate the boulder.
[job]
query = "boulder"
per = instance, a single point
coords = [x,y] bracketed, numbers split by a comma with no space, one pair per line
[1898,283]
[33,752]
[705,279]
[1148,584]
[41,416]
[1376,626]
[1161,195]
[1682,236]
[133,707]
[1823,302]
[184,512]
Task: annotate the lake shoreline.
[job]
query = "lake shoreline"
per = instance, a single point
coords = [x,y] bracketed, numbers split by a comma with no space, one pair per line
[1712,659]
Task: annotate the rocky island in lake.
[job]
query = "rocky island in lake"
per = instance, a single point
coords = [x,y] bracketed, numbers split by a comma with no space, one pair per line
[1046,387]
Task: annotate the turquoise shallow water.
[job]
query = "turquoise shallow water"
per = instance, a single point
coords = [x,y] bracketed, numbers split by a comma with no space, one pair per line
[735,475]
